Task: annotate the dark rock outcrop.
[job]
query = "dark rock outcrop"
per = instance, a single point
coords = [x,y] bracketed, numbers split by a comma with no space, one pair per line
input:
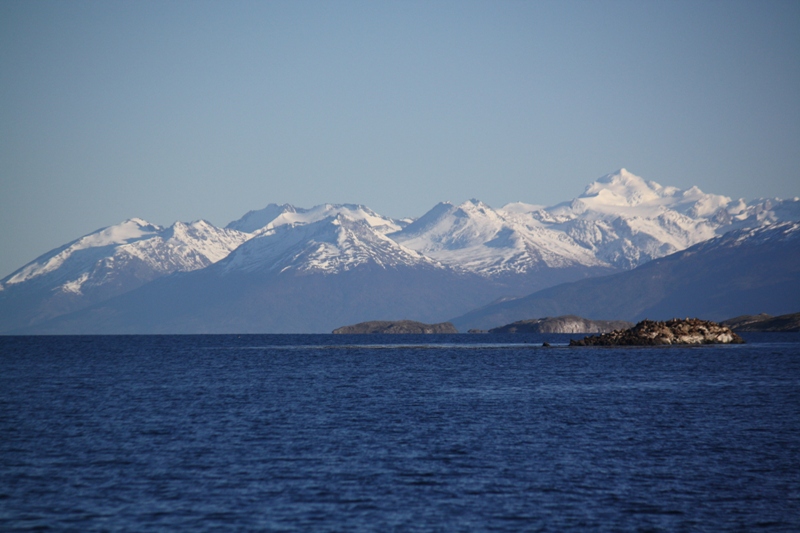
[562,324]
[764,322]
[396,326]
[675,331]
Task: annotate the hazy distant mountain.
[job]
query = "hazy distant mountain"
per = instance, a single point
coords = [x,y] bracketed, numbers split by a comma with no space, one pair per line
[474,237]
[475,253]
[764,322]
[273,216]
[742,272]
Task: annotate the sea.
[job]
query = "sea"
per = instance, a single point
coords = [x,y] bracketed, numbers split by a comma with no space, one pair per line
[397,433]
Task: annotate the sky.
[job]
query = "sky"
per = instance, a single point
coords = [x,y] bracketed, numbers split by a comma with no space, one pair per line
[186,110]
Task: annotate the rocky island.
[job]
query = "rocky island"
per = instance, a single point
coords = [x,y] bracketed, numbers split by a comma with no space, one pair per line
[562,324]
[675,331]
[396,326]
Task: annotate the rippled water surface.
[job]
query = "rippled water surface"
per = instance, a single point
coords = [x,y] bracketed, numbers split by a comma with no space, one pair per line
[445,433]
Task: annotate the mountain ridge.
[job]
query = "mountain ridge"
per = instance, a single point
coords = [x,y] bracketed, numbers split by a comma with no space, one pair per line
[619,222]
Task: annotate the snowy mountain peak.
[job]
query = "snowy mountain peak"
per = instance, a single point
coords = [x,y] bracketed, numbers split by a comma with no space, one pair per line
[475,207]
[125,255]
[450,227]
[626,221]
[519,208]
[275,215]
[130,230]
[196,244]
[93,244]
[623,192]
[474,202]
[474,237]
[643,210]
[335,243]
[257,219]
[622,188]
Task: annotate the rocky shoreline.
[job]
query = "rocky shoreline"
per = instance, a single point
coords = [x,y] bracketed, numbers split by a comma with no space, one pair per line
[656,333]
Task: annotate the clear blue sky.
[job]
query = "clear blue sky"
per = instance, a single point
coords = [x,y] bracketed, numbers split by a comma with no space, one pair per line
[182,110]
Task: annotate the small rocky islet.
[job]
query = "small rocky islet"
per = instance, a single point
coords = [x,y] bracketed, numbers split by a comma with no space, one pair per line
[407,327]
[680,331]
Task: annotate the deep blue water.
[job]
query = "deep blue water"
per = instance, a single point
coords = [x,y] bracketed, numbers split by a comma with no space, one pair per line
[407,433]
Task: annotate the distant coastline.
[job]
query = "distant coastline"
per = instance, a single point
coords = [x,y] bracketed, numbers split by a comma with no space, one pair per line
[562,324]
[765,322]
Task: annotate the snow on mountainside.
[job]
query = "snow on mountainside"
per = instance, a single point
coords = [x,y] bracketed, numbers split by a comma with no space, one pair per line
[620,221]
[254,220]
[133,249]
[84,252]
[336,243]
[474,237]
[625,193]
[274,215]
[626,221]
[780,232]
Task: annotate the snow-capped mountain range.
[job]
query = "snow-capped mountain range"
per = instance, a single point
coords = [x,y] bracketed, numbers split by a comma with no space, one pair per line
[619,222]
[335,243]
[626,221]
